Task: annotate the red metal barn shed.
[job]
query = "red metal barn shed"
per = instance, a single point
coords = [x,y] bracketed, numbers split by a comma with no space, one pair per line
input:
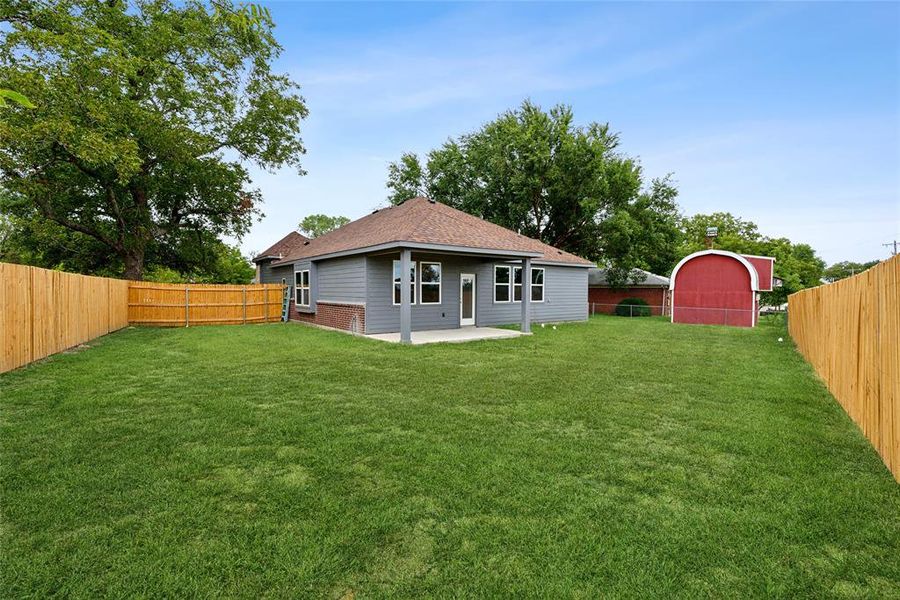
[715,287]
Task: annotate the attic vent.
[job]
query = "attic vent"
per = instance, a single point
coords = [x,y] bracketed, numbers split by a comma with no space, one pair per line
[432,200]
[558,251]
[375,211]
[306,243]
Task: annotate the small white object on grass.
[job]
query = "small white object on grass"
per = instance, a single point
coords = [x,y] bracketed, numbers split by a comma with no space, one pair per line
[542,325]
[780,339]
[554,328]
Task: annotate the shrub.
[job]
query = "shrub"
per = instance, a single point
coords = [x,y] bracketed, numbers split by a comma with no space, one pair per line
[633,307]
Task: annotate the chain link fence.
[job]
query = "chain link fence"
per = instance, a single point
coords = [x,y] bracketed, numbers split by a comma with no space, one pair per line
[710,316]
[628,310]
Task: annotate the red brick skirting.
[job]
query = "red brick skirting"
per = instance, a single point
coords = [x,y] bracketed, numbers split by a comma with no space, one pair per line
[604,300]
[349,317]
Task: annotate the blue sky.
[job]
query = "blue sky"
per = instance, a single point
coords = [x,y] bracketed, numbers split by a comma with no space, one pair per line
[784,114]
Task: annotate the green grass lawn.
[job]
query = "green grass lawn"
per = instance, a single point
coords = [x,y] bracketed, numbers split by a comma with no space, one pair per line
[622,457]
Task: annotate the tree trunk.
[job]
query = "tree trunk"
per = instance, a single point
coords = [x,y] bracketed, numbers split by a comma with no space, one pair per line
[134,265]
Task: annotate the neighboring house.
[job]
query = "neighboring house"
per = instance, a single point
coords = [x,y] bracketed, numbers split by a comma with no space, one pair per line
[653,289]
[423,265]
[277,251]
[715,287]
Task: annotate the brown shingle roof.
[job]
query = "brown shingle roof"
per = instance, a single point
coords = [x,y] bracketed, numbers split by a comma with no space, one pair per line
[423,221]
[284,246]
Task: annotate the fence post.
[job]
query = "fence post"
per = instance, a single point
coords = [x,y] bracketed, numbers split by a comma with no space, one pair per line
[245,305]
[187,306]
[31,317]
[631,310]
[265,303]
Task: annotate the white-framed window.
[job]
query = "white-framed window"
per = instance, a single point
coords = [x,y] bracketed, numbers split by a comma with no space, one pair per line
[301,288]
[517,284]
[508,284]
[502,278]
[537,284]
[412,283]
[430,283]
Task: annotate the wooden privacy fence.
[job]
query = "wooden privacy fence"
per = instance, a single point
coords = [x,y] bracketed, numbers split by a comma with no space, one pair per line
[181,305]
[849,331]
[43,312]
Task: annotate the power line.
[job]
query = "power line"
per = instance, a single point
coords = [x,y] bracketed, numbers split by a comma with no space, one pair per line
[894,244]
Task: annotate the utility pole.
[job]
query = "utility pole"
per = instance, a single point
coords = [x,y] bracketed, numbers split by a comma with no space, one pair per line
[894,244]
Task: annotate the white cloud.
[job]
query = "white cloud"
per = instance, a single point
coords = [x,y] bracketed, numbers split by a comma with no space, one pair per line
[819,181]
[492,56]
[828,180]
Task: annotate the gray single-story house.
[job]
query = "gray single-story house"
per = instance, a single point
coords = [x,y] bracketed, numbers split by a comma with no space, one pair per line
[423,265]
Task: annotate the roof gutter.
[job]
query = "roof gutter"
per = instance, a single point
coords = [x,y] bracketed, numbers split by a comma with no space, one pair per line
[562,263]
[416,246]
[264,257]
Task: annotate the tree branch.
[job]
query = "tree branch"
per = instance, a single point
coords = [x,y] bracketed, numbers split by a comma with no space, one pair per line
[48,213]
[79,164]
[117,213]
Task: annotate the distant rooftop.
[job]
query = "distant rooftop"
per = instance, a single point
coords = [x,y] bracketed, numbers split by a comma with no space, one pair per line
[597,277]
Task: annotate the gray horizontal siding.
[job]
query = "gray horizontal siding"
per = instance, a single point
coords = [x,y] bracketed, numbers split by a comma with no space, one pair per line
[336,280]
[304,265]
[270,274]
[565,295]
[381,314]
[341,279]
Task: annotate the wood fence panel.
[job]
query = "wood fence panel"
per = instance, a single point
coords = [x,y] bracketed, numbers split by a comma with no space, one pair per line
[15,316]
[43,312]
[156,304]
[180,305]
[47,336]
[118,303]
[889,364]
[849,331]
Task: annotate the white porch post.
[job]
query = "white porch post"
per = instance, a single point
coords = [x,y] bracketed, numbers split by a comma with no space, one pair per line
[405,299]
[526,295]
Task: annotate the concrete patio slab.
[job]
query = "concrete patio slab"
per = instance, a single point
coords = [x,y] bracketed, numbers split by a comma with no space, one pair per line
[437,336]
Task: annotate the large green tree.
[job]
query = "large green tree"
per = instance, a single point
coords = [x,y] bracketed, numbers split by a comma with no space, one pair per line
[846,268]
[194,256]
[315,225]
[642,234]
[797,265]
[225,264]
[147,115]
[538,173]
[734,233]
[43,243]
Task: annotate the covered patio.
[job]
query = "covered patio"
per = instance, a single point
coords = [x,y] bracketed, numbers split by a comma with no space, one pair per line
[450,336]
[467,300]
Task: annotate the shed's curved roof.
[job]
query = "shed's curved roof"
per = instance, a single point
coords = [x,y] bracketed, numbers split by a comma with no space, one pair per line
[754,276]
